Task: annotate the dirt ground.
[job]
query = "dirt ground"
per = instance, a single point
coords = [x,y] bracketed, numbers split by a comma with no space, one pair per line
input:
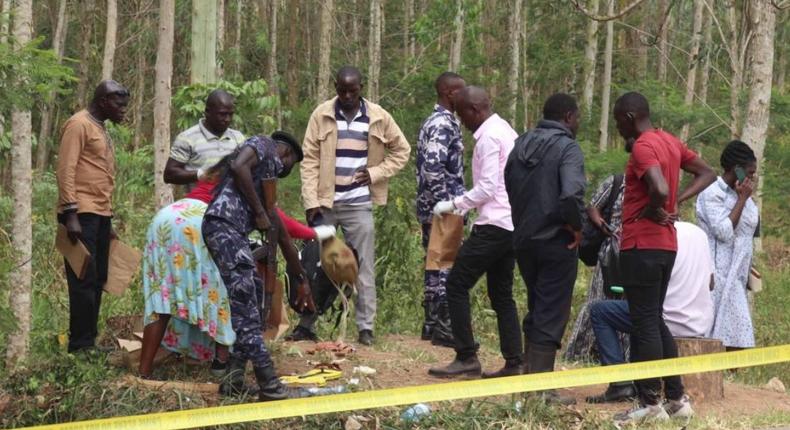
[404,360]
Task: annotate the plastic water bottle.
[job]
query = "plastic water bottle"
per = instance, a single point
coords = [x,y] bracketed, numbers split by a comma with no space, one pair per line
[415,413]
[323,391]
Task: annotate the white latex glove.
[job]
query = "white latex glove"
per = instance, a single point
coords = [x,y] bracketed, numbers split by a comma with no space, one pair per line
[323,232]
[443,207]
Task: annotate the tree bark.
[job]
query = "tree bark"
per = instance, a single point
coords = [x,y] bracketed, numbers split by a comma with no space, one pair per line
[237,41]
[693,62]
[458,39]
[606,88]
[755,128]
[108,62]
[737,56]
[525,67]
[139,93]
[20,276]
[272,66]
[45,131]
[663,43]
[374,50]
[707,43]
[162,93]
[590,54]
[85,53]
[221,37]
[291,73]
[408,47]
[204,42]
[355,32]
[781,66]
[325,48]
[515,63]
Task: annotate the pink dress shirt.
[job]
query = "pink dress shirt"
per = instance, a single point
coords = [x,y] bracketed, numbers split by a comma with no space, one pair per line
[494,141]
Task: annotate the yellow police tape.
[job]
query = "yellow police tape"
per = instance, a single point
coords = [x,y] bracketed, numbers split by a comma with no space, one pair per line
[435,392]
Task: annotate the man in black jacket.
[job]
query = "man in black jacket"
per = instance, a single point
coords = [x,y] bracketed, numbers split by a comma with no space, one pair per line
[544,177]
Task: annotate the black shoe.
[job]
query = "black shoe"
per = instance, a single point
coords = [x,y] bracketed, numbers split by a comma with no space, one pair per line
[300,333]
[270,388]
[365,337]
[615,393]
[552,397]
[442,331]
[469,367]
[511,368]
[441,338]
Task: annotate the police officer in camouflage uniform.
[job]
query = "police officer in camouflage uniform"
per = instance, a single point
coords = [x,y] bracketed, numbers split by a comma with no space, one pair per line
[236,210]
[440,177]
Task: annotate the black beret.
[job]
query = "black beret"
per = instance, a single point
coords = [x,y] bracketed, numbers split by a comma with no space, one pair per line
[286,138]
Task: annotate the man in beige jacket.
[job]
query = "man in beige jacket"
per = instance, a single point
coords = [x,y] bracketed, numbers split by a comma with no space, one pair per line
[352,147]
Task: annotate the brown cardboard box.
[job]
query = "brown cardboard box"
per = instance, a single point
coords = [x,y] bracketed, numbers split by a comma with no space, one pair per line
[77,255]
[123,265]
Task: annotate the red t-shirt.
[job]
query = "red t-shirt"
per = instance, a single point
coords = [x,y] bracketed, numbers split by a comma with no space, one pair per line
[653,148]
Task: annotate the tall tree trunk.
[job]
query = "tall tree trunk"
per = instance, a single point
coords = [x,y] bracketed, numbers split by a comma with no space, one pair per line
[22,225]
[85,52]
[408,47]
[237,41]
[108,61]
[204,42]
[590,54]
[663,43]
[274,84]
[139,93]
[291,71]
[707,43]
[781,66]
[374,50]
[525,67]
[458,39]
[755,128]
[325,48]
[736,54]
[606,88]
[355,32]
[693,62]
[162,93]
[221,37]
[515,63]
[45,132]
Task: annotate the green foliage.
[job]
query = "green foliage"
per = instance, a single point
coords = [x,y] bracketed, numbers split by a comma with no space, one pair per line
[255,107]
[29,74]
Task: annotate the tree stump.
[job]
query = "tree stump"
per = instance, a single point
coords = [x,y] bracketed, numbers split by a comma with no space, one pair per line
[707,385]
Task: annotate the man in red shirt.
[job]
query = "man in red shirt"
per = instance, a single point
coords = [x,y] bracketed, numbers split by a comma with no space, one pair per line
[649,244]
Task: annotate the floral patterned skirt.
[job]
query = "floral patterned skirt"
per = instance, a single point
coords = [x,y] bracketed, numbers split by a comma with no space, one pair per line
[181,280]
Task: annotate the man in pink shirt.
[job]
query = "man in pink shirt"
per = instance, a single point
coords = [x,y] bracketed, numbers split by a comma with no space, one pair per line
[489,249]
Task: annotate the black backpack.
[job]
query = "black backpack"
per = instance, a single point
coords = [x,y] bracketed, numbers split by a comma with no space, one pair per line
[592,237]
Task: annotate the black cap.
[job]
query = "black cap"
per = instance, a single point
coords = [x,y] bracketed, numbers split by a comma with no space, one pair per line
[286,138]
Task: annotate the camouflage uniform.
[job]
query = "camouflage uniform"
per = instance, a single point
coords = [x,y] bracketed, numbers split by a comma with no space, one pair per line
[226,224]
[440,176]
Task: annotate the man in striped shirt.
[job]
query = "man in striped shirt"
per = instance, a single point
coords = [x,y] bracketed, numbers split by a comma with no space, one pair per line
[352,147]
[203,145]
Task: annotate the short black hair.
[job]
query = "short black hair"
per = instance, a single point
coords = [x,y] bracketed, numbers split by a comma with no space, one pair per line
[219,97]
[445,77]
[288,139]
[737,153]
[632,102]
[348,71]
[558,105]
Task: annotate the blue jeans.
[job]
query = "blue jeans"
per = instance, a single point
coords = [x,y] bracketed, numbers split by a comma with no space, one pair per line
[608,317]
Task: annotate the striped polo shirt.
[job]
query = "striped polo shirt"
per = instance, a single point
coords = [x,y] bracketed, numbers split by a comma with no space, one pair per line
[198,148]
[351,156]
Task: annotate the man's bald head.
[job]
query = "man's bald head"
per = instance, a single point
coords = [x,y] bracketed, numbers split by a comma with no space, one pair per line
[348,85]
[109,101]
[219,97]
[348,74]
[447,85]
[473,106]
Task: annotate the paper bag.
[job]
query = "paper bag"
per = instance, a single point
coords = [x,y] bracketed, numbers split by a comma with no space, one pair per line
[277,322]
[123,264]
[447,232]
[77,255]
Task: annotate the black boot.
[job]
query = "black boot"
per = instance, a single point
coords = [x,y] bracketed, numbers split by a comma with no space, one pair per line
[270,387]
[540,359]
[233,382]
[511,368]
[427,326]
[467,367]
[616,392]
[442,331]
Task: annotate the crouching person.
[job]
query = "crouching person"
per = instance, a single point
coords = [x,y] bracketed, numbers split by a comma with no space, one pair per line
[236,210]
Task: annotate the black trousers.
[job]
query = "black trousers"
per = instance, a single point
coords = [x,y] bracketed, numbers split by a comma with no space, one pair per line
[85,294]
[645,279]
[549,271]
[489,251]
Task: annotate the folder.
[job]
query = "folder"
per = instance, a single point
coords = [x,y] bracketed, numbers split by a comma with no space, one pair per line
[76,254]
[123,264]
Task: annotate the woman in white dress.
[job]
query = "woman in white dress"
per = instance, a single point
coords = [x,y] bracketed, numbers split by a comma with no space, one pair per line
[728,215]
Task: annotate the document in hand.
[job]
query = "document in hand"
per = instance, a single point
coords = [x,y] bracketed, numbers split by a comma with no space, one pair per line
[123,264]
[447,231]
[76,254]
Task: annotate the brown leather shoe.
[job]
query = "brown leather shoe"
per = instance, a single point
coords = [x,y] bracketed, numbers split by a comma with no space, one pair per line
[468,367]
[511,368]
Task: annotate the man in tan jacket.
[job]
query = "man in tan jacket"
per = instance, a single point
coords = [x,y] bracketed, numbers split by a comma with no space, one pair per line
[351,148]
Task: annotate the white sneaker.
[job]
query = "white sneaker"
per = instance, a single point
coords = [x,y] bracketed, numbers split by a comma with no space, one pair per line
[642,413]
[679,408]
